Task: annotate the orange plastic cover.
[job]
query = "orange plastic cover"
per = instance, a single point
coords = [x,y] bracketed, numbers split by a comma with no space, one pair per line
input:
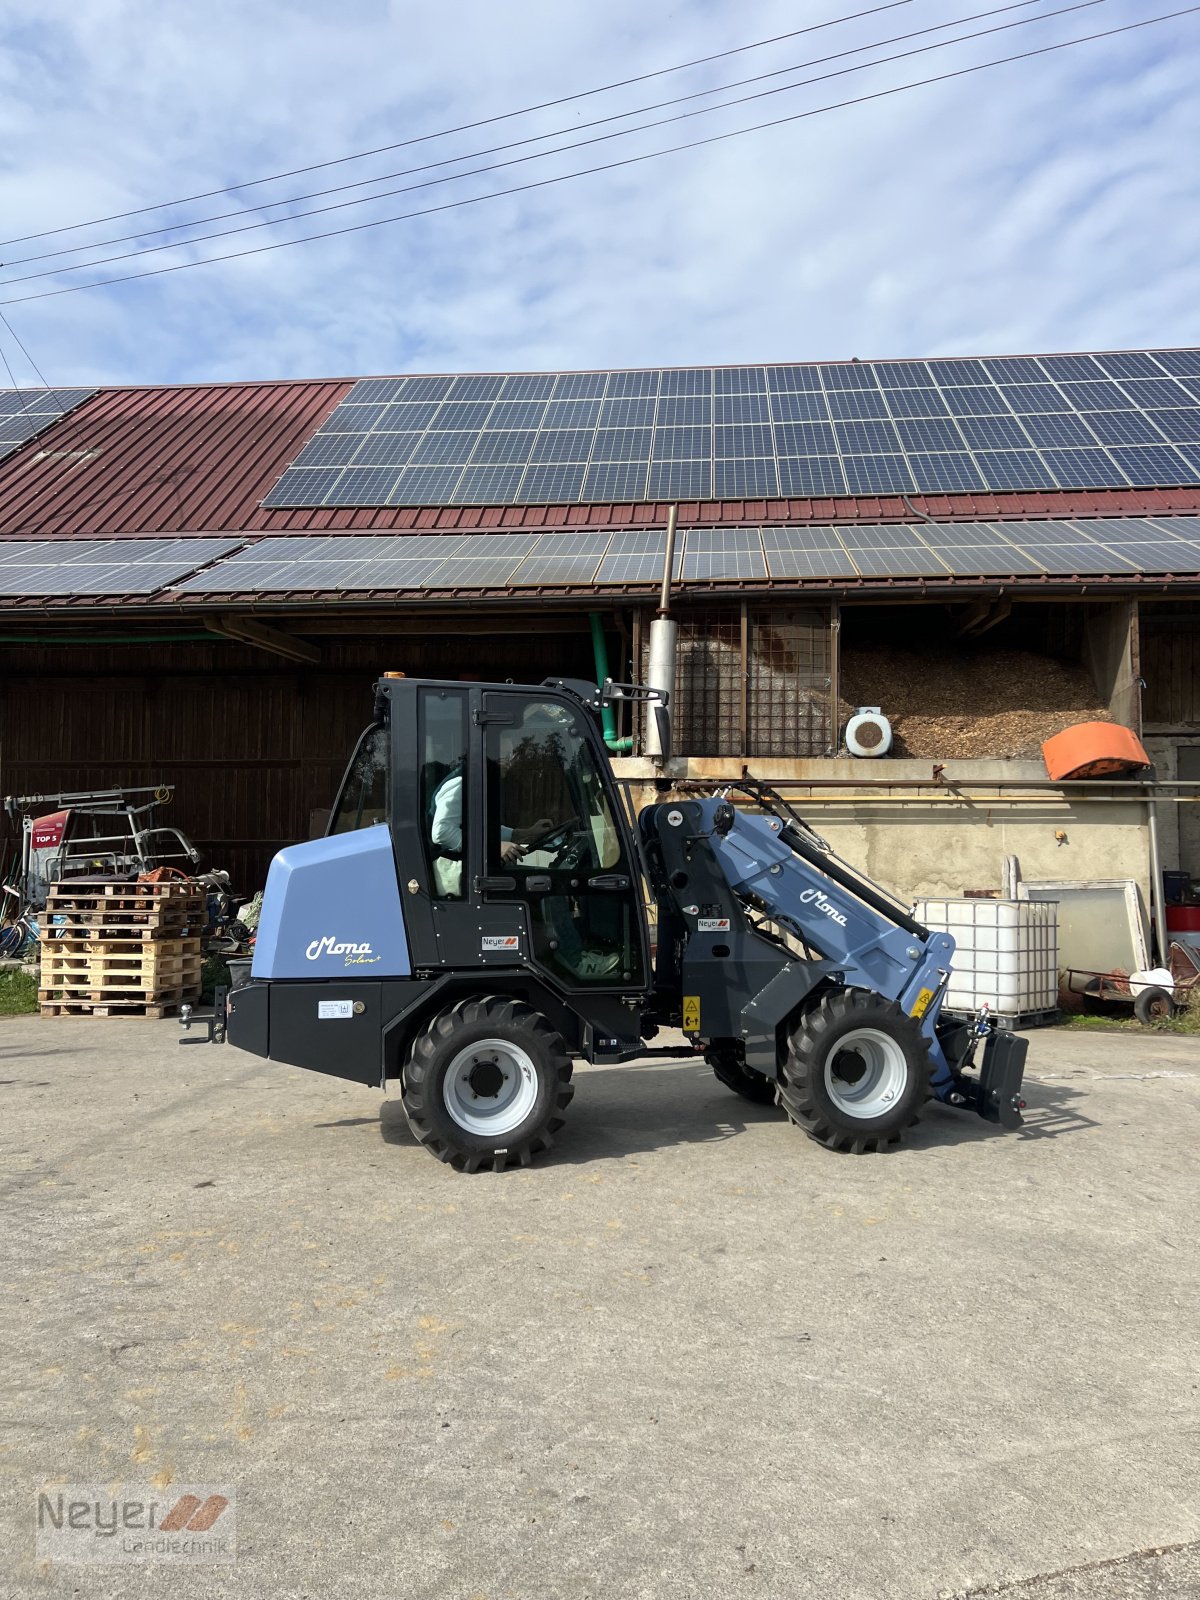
[1094,750]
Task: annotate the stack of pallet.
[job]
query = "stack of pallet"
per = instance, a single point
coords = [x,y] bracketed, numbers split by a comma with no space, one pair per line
[120,949]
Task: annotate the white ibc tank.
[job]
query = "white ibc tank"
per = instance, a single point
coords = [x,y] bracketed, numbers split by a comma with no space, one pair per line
[1006,955]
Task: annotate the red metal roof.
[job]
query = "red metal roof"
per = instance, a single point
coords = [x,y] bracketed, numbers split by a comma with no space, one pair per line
[195,459]
[199,459]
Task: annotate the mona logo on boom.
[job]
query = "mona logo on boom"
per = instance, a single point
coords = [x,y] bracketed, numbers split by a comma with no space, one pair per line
[356,955]
[824,905]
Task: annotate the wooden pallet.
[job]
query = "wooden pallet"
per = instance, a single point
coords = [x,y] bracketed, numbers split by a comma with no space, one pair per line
[121,949]
[166,960]
[156,1009]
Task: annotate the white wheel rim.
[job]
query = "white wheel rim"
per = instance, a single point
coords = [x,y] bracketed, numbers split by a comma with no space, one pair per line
[865,1073]
[490,1088]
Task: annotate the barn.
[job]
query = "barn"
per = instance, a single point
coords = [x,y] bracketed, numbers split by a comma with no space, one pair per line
[199,583]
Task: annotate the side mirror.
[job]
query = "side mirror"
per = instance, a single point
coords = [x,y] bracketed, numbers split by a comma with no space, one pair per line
[662,725]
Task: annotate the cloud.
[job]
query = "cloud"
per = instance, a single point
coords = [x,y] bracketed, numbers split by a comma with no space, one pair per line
[1049,204]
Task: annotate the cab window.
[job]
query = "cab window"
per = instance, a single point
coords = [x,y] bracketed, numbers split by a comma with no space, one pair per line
[363,800]
[443,747]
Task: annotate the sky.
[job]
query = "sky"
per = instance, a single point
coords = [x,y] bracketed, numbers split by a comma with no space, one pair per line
[1049,204]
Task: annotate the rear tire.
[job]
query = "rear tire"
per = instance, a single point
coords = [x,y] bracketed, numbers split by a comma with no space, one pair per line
[857,1072]
[486,1083]
[730,1071]
[1152,1005]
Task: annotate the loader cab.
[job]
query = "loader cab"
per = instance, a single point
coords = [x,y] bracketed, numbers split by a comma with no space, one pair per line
[511,844]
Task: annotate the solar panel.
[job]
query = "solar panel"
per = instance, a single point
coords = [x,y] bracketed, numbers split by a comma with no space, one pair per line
[882,474]
[946,471]
[742,408]
[104,566]
[857,403]
[866,438]
[1153,466]
[1060,432]
[25,413]
[951,425]
[627,413]
[713,553]
[996,560]
[1180,427]
[914,561]
[511,446]
[929,433]
[562,558]
[807,552]
[958,372]
[1177,556]
[799,407]
[811,475]
[679,480]
[1084,469]
[684,411]
[880,536]
[805,563]
[746,478]
[992,433]
[615,480]
[1180,363]
[494,485]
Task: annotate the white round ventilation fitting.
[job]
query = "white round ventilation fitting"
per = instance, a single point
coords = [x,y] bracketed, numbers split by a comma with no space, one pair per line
[868,733]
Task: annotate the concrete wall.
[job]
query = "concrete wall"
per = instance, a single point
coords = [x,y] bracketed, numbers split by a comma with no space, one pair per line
[1111,655]
[935,843]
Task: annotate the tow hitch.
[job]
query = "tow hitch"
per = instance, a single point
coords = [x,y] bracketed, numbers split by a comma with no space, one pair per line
[214,1025]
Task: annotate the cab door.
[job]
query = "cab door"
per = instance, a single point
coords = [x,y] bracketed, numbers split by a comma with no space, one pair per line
[555,843]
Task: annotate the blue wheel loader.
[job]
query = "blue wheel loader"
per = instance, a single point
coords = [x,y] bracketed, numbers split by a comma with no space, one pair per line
[476,919]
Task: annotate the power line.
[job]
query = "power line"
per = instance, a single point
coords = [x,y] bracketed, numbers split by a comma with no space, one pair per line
[465,127]
[495,149]
[575,144]
[539,138]
[609,166]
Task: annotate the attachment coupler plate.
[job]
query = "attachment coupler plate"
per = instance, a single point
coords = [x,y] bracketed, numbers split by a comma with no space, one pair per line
[998,1098]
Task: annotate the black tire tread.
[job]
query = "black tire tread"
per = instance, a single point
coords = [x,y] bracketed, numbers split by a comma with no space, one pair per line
[805,1063]
[491,1011]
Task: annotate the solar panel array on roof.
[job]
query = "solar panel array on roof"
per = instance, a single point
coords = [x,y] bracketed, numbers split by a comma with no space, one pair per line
[103,566]
[1130,419]
[367,563]
[24,413]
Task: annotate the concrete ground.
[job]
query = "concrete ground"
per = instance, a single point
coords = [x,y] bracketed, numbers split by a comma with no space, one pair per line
[690,1355]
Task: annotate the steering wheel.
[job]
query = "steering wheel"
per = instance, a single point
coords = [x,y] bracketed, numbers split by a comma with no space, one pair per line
[558,837]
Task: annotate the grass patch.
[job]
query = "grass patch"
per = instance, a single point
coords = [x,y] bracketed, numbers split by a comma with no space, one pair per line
[1123,1020]
[213,973]
[18,993]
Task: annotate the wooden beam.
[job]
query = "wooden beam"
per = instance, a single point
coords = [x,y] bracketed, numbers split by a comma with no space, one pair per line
[248,631]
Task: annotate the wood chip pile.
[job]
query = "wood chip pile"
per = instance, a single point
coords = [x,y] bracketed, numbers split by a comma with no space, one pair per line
[966,705]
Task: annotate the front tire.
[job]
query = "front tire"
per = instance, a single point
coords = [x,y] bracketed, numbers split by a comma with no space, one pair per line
[857,1072]
[486,1083]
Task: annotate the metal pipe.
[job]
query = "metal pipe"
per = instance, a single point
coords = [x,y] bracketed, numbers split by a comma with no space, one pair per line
[1156,881]
[664,599]
[660,674]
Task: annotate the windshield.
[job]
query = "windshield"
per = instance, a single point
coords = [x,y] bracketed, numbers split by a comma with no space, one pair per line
[363,799]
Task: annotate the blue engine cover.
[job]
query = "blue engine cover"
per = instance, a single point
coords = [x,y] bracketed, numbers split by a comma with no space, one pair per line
[332,909]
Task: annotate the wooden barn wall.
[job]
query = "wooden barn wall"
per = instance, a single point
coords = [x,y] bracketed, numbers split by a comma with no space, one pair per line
[1170,665]
[254,745]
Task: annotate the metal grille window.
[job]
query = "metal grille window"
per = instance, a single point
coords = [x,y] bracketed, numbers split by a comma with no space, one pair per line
[752,682]
[789,683]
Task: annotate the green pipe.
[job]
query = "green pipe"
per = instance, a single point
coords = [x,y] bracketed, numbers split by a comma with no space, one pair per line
[608,721]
